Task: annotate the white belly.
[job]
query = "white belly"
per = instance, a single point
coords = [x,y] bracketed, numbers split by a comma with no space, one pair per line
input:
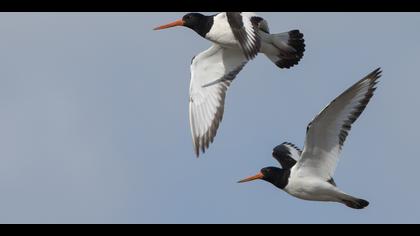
[312,189]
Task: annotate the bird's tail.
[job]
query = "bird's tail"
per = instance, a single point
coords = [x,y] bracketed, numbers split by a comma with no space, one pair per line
[355,203]
[285,49]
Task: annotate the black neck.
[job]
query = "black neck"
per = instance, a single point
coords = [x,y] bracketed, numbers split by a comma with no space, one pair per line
[203,26]
[279,177]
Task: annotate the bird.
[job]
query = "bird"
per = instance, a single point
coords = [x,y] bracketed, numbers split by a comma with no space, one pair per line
[237,37]
[307,174]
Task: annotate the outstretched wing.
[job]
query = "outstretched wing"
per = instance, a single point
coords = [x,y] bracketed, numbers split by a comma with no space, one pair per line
[328,131]
[212,72]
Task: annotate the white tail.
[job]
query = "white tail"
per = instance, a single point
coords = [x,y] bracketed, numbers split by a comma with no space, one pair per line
[284,49]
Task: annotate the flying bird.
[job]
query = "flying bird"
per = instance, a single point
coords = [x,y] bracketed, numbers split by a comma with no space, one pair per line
[308,174]
[237,37]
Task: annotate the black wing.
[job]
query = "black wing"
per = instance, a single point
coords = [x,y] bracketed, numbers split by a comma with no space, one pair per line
[245,30]
[287,154]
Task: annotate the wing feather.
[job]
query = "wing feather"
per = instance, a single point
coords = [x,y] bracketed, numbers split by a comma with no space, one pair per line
[327,132]
[287,154]
[245,31]
[212,72]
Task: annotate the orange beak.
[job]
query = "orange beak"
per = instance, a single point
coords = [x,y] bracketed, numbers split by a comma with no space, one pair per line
[172,24]
[255,177]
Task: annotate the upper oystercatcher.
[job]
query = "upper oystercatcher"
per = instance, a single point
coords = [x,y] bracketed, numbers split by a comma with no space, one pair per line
[308,174]
[237,38]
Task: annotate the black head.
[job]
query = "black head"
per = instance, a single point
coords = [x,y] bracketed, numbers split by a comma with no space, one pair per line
[192,20]
[274,175]
[271,174]
[195,21]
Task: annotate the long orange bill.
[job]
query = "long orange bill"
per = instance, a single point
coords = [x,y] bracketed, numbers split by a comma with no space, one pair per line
[172,24]
[255,177]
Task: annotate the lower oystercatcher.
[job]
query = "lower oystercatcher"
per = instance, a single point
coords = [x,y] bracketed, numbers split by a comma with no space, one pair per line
[308,174]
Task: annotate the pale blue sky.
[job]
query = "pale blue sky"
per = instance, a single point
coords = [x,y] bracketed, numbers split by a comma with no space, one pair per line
[94,121]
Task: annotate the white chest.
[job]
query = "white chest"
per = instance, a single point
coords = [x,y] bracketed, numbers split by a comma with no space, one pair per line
[221,33]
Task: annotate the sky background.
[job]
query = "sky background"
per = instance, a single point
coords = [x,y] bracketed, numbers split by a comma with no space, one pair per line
[94,121]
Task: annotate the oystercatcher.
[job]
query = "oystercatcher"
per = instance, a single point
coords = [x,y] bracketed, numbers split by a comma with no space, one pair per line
[237,38]
[308,174]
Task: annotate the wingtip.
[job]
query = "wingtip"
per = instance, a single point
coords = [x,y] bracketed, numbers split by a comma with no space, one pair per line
[196,151]
[374,76]
[376,73]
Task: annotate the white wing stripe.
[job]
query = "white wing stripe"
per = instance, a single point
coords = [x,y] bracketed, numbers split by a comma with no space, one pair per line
[212,72]
[327,132]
